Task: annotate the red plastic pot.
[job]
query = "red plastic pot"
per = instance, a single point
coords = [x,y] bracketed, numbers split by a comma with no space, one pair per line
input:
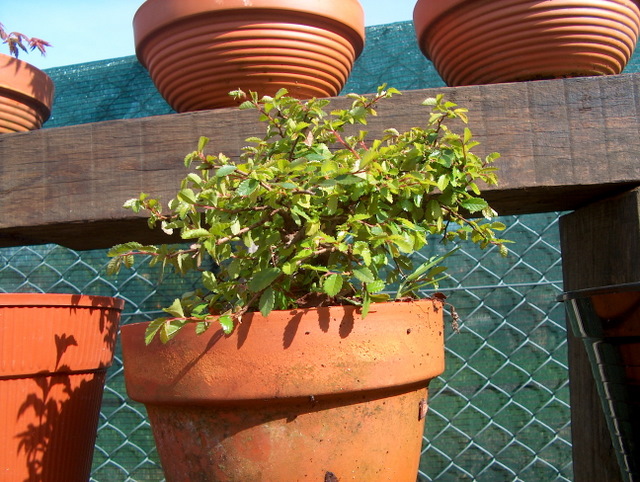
[197,51]
[490,41]
[318,394]
[54,353]
[26,95]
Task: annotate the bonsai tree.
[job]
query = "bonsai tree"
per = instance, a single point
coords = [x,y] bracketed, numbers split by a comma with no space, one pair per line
[317,213]
[17,41]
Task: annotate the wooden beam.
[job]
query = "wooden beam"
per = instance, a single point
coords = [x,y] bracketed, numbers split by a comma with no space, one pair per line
[564,143]
[600,247]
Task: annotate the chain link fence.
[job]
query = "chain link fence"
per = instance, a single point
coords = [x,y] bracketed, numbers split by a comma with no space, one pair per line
[501,409]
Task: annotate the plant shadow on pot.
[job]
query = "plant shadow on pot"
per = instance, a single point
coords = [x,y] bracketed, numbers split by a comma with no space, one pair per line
[51,413]
[54,427]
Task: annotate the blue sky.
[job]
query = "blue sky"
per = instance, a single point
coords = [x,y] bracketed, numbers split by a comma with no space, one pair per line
[87,30]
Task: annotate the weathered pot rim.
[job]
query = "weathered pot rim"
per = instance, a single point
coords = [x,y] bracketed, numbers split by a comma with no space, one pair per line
[19,76]
[60,299]
[156,14]
[289,355]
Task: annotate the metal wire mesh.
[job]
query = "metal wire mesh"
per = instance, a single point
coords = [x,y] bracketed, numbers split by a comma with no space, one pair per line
[501,409]
[499,412]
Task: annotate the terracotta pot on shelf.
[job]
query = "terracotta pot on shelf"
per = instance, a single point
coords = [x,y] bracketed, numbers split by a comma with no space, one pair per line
[491,41]
[197,51]
[26,95]
[315,393]
[54,353]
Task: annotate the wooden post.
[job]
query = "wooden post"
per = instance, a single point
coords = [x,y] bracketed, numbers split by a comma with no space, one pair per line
[600,247]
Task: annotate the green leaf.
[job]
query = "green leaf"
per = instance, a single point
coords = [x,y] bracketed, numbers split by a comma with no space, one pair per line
[474,204]
[202,326]
[329,167]
[364,274]
[226,322]
[187,195]
[152,329]
[175,309]
[289,268]
[348,179]
[366,303]
[443,182]
[332,284]
[194,233]
[113,266]
[247,187]
[374,287]
[202,143]
[224,171]
[170,329]
[405,242]
[467,135]
[267,300]
[209,280]
[263,279]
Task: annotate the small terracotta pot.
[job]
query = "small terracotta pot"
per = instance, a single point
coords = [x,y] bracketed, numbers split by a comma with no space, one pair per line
[54,353]
[301,395]
[197,51]
[26,95]
[490,41]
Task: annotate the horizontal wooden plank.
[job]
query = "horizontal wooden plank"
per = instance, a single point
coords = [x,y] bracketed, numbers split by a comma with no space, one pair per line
[564,143]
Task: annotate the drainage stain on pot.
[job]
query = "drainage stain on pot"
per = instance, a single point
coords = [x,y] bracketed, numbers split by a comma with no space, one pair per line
[330,477]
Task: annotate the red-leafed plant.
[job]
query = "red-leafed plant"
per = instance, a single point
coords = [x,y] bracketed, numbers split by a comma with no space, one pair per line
[17,41]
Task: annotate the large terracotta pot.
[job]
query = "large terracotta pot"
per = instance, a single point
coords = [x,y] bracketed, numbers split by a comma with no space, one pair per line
[26,95]
[54,353]
[607,319]
[489,41]
[197,51]
[317,394]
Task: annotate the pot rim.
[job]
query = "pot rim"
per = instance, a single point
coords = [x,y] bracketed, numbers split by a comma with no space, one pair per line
[289,355]
[60,299]
[156,14]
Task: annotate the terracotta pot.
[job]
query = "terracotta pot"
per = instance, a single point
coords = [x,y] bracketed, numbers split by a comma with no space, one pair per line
[54,353]
[490,41]
[608,321]
[197,51]
[301,395]
[26,95]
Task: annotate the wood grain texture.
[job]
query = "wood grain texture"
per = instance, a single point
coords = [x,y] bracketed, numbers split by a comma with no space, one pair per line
[564,143]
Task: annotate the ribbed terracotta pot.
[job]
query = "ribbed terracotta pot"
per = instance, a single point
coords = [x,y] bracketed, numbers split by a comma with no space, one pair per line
[317,394]
[490,41]
[54,353]
[26,95]
[197,51]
